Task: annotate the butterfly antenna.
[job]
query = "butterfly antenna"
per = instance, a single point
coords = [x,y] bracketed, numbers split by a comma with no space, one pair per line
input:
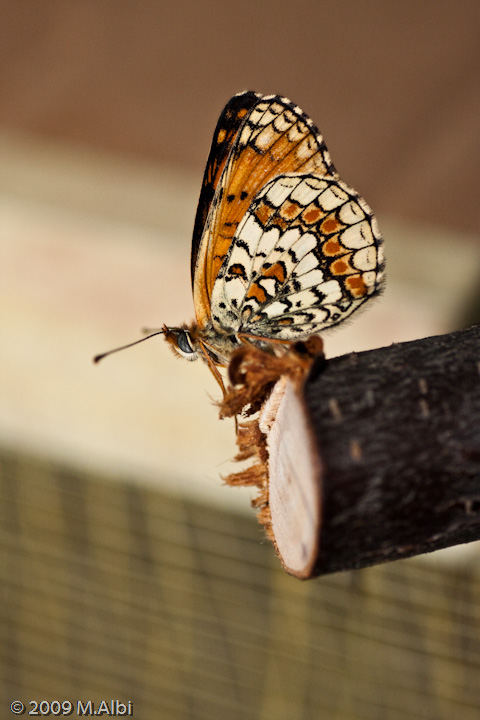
[97,358]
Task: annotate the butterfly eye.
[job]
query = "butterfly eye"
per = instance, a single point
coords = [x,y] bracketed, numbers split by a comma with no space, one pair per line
[184,345]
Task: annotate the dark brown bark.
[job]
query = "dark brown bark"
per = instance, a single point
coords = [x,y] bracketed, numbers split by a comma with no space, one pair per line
[397,431]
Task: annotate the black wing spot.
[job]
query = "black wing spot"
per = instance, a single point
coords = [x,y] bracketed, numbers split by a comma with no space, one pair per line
[230,198]
[243,195]
[242,244]
[237,270]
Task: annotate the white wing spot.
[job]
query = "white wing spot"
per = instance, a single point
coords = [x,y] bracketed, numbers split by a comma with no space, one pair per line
[269,285]
[268,240]
[251,231]
[304,244]
[275,309]
[303,299]
[290,237]
[245,135]
[307,263]
[311,279]
[297,132]
[369,278]
[266,138]
[351,213]
[332,291]
[365,259]
[280,189]
[320,315]
[268,117]
[332,197]
[240,256]
[282,123]
[307,191]
[234,290]
[357,236]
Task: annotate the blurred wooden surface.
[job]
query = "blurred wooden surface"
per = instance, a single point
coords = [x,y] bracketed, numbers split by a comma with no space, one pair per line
[393,86]
[113,590]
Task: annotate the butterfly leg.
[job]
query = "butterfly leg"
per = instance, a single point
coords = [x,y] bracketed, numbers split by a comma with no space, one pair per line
[216,374]
[213,368]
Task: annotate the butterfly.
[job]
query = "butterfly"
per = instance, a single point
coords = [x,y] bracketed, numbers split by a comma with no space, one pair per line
[282,248]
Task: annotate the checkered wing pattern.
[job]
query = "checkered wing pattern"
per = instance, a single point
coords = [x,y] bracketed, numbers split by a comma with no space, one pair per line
[306,254]
[257,139]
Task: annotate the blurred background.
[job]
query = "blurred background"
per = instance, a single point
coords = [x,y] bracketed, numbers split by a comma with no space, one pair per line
[128,570]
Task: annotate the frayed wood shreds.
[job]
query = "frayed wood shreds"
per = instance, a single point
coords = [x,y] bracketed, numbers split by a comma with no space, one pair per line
[253,374]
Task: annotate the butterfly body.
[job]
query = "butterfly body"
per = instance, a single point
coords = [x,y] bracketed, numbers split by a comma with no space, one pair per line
[282,247]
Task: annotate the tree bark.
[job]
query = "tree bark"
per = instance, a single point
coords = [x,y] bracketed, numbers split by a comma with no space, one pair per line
[376,456]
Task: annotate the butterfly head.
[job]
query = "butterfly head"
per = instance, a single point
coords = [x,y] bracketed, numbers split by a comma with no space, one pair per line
[182,341]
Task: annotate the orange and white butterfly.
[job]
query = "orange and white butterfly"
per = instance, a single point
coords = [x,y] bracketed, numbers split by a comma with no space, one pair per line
[282,248]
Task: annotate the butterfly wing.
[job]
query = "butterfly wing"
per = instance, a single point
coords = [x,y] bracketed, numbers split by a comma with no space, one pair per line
[224,136]
[306,254]
[257,139]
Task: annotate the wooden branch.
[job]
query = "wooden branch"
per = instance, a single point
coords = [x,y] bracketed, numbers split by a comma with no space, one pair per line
[376,456]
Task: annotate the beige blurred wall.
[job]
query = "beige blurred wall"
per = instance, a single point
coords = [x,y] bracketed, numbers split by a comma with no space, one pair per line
[393,86]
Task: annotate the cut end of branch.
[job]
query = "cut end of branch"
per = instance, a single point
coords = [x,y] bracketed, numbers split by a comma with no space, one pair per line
[285,469]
